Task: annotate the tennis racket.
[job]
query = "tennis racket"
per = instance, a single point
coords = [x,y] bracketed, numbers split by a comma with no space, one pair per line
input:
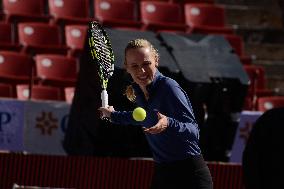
[102,55]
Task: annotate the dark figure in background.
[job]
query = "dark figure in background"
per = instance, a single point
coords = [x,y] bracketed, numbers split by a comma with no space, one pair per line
[170,126]
[83,134]
[263,155]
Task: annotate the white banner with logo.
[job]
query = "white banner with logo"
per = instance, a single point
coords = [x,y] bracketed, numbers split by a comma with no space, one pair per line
[44,127]
[247,120]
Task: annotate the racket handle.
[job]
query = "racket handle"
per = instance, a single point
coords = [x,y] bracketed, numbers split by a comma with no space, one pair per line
[104,98]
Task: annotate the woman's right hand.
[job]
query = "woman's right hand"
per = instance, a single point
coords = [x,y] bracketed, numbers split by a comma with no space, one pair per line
[106,111]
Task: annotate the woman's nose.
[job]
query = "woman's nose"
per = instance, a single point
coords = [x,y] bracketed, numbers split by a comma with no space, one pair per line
[142,69]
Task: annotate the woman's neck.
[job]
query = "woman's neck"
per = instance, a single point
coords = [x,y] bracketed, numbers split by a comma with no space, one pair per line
[145,92]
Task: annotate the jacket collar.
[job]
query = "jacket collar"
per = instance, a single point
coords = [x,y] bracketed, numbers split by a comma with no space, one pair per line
[150,88]
[153,84]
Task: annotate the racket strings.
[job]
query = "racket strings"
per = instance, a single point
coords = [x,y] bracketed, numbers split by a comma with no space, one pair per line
[103,52]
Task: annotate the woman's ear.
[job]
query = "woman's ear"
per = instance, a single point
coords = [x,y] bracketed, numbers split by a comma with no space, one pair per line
[156,62]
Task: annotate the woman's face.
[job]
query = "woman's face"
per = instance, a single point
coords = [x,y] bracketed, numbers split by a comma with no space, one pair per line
[141,64]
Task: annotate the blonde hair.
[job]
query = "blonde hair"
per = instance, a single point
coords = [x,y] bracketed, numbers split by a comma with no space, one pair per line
[135,44]
[130,94]
[141,43]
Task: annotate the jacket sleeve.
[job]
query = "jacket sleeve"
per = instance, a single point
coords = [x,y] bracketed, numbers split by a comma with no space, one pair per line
[123,118]
[179,111]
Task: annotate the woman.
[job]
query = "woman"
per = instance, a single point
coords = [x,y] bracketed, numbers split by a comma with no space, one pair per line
[170,125]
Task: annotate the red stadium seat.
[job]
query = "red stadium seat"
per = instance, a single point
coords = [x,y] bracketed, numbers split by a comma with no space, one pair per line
[192,1]
[25,11]
[257,86]
[7,37]
[69,94]
[6,90]
[206,19]
[237,44]
[161,16]
[40,38]
[69,11]
[257,76]
[75,37]
[56,70]
[38,92]
[15,67]
[113,13]
[269,102]
[158,0]
[185,1]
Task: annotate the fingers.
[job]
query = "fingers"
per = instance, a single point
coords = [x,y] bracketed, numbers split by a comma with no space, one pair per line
[159,127]
[109,108]
[105,111]
[153,130]
[159,115]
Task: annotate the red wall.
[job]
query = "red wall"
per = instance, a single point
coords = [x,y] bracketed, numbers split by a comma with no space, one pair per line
[95,172]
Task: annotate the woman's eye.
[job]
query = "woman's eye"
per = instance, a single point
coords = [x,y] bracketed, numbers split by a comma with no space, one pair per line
[147,64]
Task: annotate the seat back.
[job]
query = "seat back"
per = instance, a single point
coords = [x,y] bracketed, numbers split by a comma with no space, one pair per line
[69,8]
[39,34]
[269,102]
[257,76]
[25,11]
[55,67]
[14,65]
[6,90]
[75,36]
[38,92]
[69,94]
[160,12]
[114,10]
[23,7]
[193,1]
[204,15]
[5,33]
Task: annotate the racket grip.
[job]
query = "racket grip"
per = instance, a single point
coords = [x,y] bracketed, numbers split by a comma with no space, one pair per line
[104,98]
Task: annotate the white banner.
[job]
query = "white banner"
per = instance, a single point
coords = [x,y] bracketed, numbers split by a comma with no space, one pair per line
[44,127]
[247,119]
[11,125]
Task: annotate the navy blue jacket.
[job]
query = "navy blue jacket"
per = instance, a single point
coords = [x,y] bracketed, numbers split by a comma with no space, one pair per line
[180,139]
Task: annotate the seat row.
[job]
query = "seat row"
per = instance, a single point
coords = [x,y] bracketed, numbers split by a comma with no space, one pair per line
[38,92]
[39,38]
[146,15]
[41,92]
[34,38]
[43,69]
[61,71]
[192,17]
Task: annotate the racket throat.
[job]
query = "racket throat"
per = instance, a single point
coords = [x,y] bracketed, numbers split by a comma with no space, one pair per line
[104,98]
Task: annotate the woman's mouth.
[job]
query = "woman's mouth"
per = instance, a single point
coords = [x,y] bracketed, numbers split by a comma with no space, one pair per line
[142,78]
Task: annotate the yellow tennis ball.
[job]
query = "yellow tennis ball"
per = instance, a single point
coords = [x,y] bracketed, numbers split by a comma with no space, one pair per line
[139,114]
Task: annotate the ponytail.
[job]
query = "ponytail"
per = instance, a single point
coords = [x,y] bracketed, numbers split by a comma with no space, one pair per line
[130,94]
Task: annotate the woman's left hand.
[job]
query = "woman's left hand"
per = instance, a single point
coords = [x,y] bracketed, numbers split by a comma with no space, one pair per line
[160,126]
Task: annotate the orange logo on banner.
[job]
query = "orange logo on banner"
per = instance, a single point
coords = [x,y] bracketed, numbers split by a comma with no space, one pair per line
[46,123]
